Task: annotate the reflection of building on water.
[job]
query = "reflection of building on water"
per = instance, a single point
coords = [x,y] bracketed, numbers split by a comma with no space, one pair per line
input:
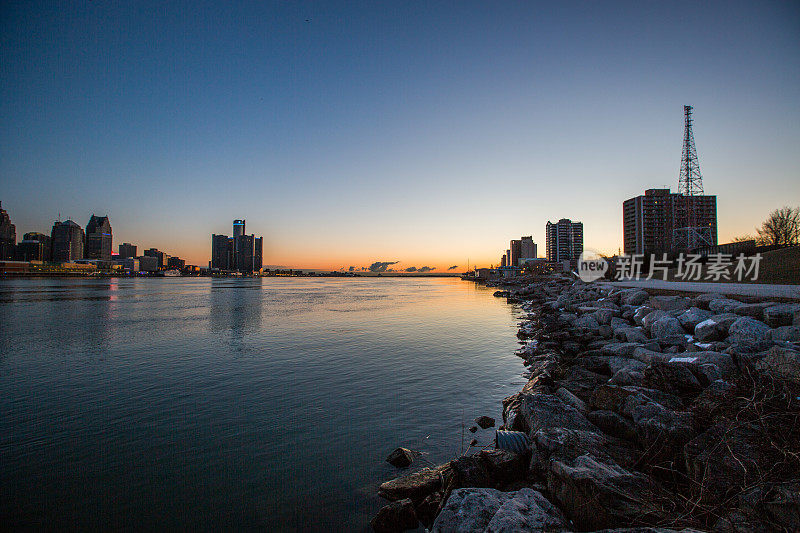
[236,305]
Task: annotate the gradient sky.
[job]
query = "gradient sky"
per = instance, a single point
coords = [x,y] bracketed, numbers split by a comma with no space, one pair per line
[424,132]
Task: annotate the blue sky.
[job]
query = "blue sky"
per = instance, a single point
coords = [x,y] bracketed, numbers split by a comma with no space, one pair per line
[424,132]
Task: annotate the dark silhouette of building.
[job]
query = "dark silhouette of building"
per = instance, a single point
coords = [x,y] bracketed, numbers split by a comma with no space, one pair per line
[564,240]
[98,238]
[127,250]
[516,249]
[159,255]
[176,263]
[34,247]
[242,253]
[652,222]
[8,236]
[68,241]
[221,252]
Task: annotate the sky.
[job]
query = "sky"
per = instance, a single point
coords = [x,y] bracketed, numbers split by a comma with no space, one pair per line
[426,133]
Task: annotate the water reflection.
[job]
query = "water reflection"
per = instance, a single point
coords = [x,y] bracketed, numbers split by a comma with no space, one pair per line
[235,307]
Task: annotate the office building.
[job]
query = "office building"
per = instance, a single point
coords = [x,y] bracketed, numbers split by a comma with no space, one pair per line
[98,239]
[242,252]
[68,241]
[516,248]
[8,236]
[148,263]
[528,249]
[127,250]
[658,221]
[564,240]
[159,256]
[175,263]
[34,247]
[221,252]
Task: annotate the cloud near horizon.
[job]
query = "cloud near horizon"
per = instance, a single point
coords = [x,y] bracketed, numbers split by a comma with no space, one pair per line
[425,269]
[381,266]
[452,267]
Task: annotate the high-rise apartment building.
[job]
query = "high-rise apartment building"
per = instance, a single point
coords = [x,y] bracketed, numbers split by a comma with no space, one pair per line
[653,223]
[527,248]
[68,241]
[98,238]
[161,257]
[564,240]
[8,236]
[127,250]
[515,247]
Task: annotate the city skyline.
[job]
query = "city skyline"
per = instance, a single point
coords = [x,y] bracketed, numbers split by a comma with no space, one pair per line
[428,135]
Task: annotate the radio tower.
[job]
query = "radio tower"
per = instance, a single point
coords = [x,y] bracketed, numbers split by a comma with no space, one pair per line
[690,183]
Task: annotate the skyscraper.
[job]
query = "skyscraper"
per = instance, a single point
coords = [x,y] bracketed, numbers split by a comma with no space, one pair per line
[127,250]
[516,248]
[34,247]
[98,238]
[159,255]
[221,252]
[527,248]
[68,240]
[238,228]
[564,240]
[8,236]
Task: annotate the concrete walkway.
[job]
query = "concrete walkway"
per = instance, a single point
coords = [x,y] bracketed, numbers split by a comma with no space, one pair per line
[733,289]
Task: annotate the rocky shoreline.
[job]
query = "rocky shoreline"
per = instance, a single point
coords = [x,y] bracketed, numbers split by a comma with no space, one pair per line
[642,412]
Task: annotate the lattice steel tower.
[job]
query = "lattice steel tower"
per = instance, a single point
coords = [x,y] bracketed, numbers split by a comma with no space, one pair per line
[690,184]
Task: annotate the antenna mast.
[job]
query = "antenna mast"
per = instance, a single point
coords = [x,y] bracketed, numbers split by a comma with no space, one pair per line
[690,184]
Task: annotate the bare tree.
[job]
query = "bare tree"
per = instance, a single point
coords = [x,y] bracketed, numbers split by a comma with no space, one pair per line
[743,238]
[782,227]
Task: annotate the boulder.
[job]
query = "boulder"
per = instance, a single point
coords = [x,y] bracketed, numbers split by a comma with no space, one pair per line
[782,315]
[586,321]
[401,457]
[485,422]
[782,363]
[633,296]
[566,445]
[604,316]
[748,329]
[703,300]
[631,335]
[627,376]
[571,399]
[675,378]
[479,510]
[598,494]
[754,310]
[396,517]
[539,411]
[666,326]
[670,303]
[652,317]
[776,503]
[693,316]
[620,349]
[724,305]
[609,397]
[785,334]
[617,323]
[417,485]
[640,313]
[613,424]
[714,328]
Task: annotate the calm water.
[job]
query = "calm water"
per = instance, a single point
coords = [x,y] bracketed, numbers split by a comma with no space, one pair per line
[256,403]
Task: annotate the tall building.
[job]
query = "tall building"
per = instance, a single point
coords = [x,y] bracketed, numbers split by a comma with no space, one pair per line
[68,240]
[564,240]
[527,248]
[34,247]
[652,222]
[238,228]
[161,261]
[242,252]
[221,252]
[258,254]
[98,238]
[516,248]
[127,250]
[8,236]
